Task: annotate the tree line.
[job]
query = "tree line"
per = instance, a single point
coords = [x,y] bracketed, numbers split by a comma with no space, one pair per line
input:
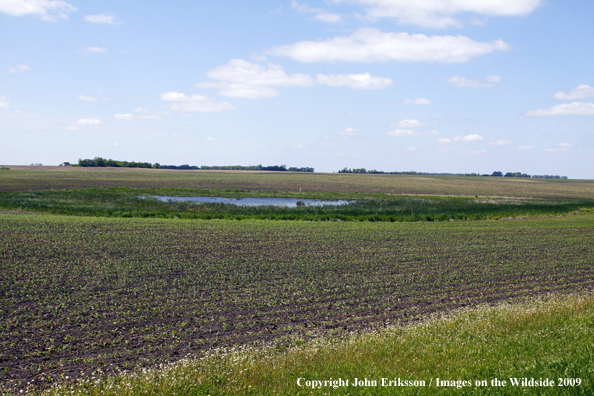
[494,174]
[102,162]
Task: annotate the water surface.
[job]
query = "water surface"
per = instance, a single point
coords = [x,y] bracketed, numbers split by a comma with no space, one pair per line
[289,202]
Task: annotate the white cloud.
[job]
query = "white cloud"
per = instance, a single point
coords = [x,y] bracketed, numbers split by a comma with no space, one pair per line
[401,132]
[574,108]
[88,121]
[108,19]
[356,81]
[501,142]
[242,79]
[320,14]
[93,50]
[461,82]
[440,13]
[327,17]
[526,147]
[47,10]
[408,124]
[4,103]
[409,132]
[347,132]
[126,116]
[418,101]
[372,45]
[86,98]
[299,146]
[19,68]
[444,141]
[469,138]
[583,91]
[194,103]
[84,122]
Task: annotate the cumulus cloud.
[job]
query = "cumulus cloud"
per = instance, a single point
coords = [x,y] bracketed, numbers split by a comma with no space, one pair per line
[327,17]
[440,13]
[356,81]
[347,132]
[88,121]
[501,142]
[242,79]
[401,132]
[574,108]
[46,10]
[418,101]
[93,50]
[583,91]
[20,69]
[126,116]
[84,122]
[469,138]
[86,98]
[320,14]
[4,103]
[372,45]
[461,82]
[194,103]
[107,19]
[444,141]
[408,124]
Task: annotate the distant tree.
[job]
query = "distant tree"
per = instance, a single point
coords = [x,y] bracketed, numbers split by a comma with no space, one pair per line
[497,174]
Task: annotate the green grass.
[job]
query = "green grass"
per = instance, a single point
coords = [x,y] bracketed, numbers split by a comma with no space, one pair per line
[125,202]
[547,338]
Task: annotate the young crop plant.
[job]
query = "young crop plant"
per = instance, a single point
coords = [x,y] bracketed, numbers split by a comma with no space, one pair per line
[81,294]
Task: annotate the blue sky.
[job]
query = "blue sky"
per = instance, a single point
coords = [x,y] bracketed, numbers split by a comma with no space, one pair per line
[393,85]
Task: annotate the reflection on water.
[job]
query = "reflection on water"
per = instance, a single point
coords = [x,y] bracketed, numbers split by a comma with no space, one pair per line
[289,202]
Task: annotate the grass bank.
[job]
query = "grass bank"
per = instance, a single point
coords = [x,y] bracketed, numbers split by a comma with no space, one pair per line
[543,339]
[125,202]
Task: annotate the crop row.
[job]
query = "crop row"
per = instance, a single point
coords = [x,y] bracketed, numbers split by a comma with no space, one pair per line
[85,294]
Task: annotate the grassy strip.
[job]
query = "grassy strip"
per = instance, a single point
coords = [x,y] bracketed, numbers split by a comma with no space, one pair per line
[124,202]
[542,339]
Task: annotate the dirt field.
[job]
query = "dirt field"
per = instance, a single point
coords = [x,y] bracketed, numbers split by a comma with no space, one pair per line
[81,295]
[47,178]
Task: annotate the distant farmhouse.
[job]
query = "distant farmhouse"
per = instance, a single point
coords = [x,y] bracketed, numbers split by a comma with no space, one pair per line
[65,164]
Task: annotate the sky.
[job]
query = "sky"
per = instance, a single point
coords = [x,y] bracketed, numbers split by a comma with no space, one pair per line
[454,86]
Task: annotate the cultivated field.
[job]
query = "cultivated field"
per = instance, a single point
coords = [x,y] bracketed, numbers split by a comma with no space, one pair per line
[49,178]
[82,294]
[113,287]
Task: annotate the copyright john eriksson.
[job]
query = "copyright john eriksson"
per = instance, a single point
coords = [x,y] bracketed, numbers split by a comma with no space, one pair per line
[438,382]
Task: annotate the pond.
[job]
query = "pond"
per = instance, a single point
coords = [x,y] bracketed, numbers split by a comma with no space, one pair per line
[289,202]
